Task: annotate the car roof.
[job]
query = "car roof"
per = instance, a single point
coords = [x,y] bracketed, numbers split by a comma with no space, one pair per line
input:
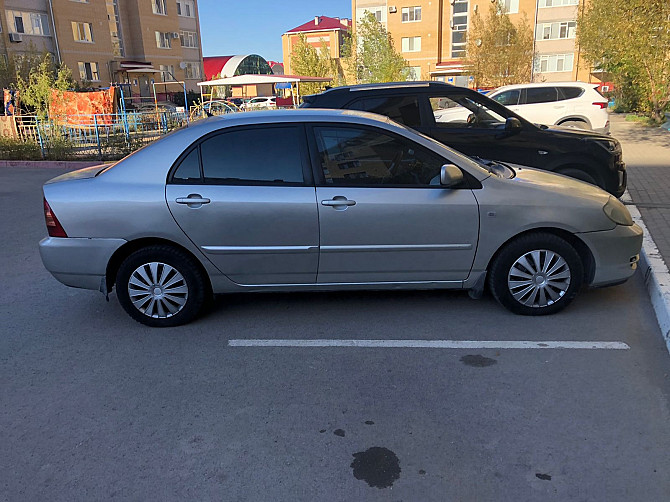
[150,162]
[583,85]
[389,85]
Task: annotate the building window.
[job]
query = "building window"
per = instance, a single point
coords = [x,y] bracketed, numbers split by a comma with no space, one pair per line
[163,40]
[509,6]
[82,32]
[192,71]
[459,28]
[167,72]
[556,31]
[411,44]
[554,63]
[558,3]
[186,8]
[115,28]
[30,23]
[189,39]
[89,71]
[159,7]
[411,14]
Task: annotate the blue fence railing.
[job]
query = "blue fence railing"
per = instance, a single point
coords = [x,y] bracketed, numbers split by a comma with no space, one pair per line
[103,136]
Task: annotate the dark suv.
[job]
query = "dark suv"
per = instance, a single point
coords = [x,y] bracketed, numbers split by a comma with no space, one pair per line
[478,126]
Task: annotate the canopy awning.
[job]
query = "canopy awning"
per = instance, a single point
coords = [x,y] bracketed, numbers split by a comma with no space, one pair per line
[261,79]
[142,70]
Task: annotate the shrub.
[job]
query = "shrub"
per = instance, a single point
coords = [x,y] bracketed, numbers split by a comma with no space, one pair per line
[19,149]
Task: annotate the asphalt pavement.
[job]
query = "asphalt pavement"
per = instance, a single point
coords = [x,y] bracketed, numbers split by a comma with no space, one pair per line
[94,406]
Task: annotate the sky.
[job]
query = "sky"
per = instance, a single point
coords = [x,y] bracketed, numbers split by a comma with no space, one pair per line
[231,27]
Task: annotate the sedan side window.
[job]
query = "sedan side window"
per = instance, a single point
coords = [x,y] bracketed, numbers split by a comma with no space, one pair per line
[541,95]
[508,98]
[259,155]
[402,109]
[189,169]
[360,157]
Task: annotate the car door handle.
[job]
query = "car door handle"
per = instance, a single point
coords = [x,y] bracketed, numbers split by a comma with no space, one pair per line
[338,201]
[193,199]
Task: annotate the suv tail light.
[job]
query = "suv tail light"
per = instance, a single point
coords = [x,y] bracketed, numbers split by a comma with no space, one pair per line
[54,227]
[601,104]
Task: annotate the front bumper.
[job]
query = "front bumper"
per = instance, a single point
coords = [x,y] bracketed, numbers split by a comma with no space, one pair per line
[616,253]
[80,263]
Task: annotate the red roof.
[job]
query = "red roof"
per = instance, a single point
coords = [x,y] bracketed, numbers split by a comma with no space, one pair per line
[325,23]
[213,65]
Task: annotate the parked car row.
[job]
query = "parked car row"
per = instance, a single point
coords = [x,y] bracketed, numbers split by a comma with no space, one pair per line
[479,126]
[343,199]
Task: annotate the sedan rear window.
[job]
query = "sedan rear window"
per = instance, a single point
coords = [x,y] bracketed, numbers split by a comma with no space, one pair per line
[264,154]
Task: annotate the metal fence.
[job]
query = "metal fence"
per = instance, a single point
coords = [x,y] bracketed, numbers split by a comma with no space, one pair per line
[100,136]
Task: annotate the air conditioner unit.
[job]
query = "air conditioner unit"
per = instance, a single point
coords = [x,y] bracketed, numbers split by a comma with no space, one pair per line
[393,9]
[16,37]
[175,34]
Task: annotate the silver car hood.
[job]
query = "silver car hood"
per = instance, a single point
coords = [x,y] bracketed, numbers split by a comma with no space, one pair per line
[559,184]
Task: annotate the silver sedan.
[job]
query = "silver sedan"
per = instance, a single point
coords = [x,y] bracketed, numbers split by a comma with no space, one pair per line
[324,200]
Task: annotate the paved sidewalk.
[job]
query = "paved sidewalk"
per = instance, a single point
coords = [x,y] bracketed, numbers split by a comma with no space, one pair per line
[646,151]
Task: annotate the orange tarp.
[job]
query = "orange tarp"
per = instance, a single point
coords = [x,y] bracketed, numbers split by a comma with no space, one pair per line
[77,108]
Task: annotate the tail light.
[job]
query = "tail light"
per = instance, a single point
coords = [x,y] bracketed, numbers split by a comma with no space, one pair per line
[54,227]
[601,104]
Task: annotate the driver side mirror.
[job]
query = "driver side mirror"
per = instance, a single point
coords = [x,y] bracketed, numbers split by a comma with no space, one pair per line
[450,175]
[512,126]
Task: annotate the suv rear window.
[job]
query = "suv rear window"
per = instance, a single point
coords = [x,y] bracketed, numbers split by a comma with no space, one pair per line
[569,92]
[402,109]
[541,95]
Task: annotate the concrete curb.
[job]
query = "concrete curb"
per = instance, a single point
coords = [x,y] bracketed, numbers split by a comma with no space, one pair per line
[656,274]
[50,164]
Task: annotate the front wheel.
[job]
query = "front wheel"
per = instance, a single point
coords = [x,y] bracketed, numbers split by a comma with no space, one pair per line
[579,174]
[536,274]
[161,286]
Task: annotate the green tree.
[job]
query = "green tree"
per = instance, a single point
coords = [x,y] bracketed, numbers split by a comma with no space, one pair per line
[36,91]
[307,61]
[370,56]
[498,51]
[18,65]
[631,40]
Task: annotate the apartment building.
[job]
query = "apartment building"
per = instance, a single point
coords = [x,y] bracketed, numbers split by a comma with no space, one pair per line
[432,35]
[132,42]
[329,30]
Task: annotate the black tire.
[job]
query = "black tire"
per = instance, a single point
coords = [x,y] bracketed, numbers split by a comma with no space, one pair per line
[501,275]
[182,288]
[579,174]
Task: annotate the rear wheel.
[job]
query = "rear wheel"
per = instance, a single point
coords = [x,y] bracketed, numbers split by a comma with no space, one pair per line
[536,274]
[161,286]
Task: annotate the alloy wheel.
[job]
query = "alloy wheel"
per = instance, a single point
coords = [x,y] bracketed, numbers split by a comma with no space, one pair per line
[157,290]
[539,278]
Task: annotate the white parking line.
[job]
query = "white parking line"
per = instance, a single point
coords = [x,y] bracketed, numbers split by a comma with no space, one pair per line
[432,344]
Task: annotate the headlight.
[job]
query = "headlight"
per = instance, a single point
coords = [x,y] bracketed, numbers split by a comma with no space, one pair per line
[617,212]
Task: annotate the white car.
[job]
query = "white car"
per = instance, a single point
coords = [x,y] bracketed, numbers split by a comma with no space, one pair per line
[260,102]
[568,104]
